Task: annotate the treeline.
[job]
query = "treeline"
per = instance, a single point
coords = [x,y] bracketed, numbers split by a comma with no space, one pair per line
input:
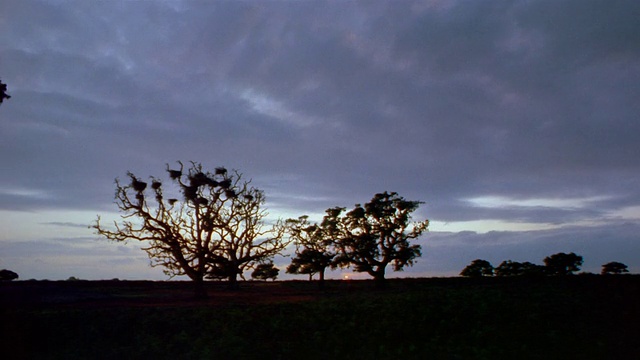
[211,225]
[559,264]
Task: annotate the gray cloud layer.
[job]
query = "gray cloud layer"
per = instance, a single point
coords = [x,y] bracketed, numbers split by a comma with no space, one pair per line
[326,103]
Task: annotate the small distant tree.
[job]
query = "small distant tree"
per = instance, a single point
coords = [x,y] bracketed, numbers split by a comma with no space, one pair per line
[478,268]
[514,268]
[309,262]
[614,267]
[561,264]
[509,268]
[530,269]
[377,234]
[8,275]
[265,271]
[213,228]
[3,92]
[314,245]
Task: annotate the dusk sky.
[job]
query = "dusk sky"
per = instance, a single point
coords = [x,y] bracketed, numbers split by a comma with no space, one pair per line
[516,122]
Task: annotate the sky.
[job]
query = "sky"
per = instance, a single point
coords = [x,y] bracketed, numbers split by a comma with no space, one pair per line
[516,122]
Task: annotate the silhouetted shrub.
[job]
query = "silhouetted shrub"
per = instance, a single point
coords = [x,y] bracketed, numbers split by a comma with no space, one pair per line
[514,268]
[478,268]
[3,92]
[265,272]
[614,267]
[7,275]
[562,264]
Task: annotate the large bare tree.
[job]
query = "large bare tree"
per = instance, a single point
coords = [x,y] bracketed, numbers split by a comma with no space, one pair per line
[212,227]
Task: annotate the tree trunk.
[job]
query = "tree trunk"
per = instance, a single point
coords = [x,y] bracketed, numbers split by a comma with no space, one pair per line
[378,277]
[199,291]
[321,279]
[380,282]
[233,281]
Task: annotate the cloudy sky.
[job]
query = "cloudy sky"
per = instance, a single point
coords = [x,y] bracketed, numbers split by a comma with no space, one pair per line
[516,122]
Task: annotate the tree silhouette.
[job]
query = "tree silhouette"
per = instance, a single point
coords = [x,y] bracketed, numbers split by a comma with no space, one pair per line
[377,234]
[509,268]
[3,92]
[478,268]
[7,275]
[562,264]
[265,271]
[614,267]
[514,268]
[215,229]
[314,245]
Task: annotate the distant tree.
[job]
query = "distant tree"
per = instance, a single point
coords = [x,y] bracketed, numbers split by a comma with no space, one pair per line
[514,268]
[562,264]
[530,269]
[614,267]
[8,275]
[309,262]
[265,271]
[3,92]
[509,268]
[377,234]
[216,229]
[478,268]
[314,245]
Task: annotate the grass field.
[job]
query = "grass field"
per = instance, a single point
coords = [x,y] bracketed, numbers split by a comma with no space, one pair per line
[576,317]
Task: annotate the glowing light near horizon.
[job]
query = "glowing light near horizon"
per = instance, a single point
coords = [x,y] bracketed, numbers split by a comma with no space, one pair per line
[483,226]
[503,201]
[25,192]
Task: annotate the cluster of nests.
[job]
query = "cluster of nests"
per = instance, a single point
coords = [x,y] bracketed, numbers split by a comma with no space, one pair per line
[190,191]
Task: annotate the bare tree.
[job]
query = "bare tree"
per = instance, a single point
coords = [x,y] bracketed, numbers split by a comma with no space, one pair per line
[216,228]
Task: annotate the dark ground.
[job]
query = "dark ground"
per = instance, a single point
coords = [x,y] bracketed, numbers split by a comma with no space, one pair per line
[577,317]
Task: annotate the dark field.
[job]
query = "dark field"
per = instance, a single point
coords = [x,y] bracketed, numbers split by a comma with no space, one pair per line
[577,317]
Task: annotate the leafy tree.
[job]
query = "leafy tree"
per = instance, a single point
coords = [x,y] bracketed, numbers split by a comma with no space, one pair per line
[514,268]
[377,234]
[216,228]
[309,262]
[314,245]
[614,267]
[3,92]
[8,275]
[562,264]
[530,269]
[478,268]
[509,268]
[265,271]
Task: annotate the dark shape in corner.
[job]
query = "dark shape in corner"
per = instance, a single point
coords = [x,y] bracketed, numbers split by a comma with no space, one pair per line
[3,92]
[7,275]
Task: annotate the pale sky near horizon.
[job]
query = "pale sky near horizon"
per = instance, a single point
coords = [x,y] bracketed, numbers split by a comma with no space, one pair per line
[516,122]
